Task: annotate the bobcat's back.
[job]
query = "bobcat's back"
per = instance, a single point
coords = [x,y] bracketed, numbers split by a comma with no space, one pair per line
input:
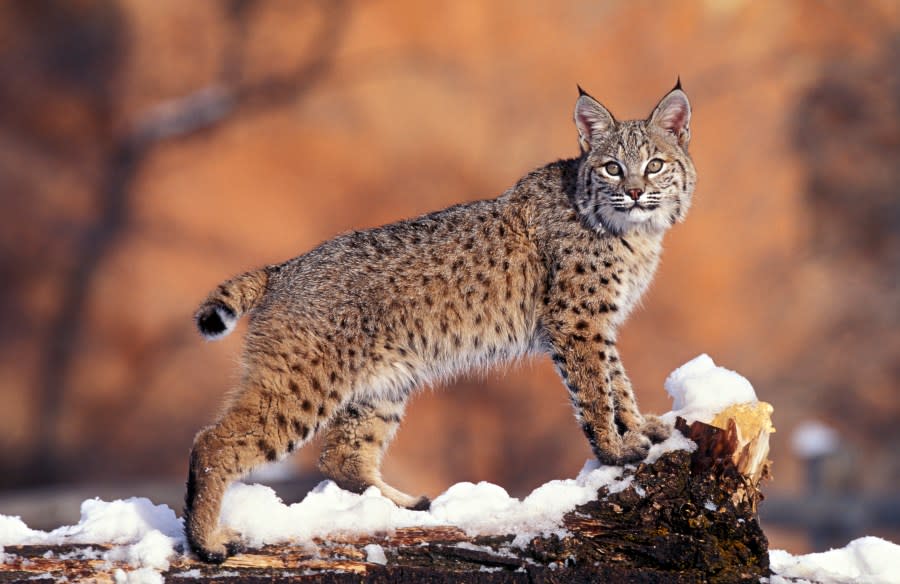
[400,305]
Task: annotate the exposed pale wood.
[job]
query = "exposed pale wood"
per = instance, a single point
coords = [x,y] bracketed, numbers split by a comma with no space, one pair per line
[753,424]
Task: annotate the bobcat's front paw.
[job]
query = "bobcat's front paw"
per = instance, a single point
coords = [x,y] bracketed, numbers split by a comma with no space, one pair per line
[655,429]
[217,548]
[631,447]
[635,447]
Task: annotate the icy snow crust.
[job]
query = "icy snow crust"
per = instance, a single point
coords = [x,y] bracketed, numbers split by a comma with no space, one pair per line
[148,536]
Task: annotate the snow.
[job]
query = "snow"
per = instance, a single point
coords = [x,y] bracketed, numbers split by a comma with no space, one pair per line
[13,530]
[700,389]
[326,510]
[139,576]
[813,440]
[153,550]
[375,554]
[867,560]
[147,537]
[465,545]
[120,522]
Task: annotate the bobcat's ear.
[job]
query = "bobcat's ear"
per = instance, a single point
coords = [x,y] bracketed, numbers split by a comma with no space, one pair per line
[591,119]
[673,115]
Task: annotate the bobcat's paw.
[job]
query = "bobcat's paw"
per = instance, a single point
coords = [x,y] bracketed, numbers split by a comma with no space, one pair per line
[632,447]
[635,447]
[221,545]
[655,429]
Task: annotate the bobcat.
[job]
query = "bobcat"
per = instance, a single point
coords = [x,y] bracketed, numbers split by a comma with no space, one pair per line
[340,336]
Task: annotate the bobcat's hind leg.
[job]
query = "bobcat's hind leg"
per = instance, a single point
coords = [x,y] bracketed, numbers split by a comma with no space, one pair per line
[261,425]
[354,445]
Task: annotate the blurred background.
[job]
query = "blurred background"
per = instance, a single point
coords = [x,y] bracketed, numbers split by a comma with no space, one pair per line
[150,150]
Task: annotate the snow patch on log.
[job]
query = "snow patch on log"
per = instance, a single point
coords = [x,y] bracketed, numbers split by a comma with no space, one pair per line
[700,389]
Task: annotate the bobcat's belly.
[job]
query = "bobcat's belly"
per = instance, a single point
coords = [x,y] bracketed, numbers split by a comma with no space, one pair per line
[449,354]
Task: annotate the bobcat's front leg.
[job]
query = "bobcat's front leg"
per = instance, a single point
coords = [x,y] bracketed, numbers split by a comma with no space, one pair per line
[582,362]
[627,414]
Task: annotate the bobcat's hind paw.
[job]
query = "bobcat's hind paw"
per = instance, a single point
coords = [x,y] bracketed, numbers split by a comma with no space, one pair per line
[655,429]
[222,545]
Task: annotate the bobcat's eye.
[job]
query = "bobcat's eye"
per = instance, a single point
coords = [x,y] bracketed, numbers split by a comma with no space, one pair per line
[612,168]
[654,165]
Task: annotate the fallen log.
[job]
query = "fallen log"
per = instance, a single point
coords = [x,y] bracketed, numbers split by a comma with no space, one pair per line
[686,517]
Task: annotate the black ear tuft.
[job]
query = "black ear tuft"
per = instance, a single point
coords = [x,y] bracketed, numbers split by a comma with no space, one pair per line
[580,90]
[677,84]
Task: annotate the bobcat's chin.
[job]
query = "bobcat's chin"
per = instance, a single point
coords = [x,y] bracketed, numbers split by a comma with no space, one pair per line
[635,220]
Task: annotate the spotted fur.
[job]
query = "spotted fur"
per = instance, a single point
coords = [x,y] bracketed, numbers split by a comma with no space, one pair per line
[339,337]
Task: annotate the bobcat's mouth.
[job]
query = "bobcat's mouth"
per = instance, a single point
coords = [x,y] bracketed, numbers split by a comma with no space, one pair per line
[638,207]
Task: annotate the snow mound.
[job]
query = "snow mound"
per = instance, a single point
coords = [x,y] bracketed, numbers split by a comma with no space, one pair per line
[146,535]
[700,389]
[867,560]
[326,510]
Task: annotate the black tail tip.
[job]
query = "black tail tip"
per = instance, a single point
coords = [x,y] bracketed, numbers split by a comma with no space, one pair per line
[423,504]
[214,321]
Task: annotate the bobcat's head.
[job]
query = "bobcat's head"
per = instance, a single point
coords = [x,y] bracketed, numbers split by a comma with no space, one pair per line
[635,175]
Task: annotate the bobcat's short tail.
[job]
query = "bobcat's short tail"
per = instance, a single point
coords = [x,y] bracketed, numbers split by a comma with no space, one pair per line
[219,313]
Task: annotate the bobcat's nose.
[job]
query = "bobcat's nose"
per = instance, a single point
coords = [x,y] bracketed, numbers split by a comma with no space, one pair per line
[635,194]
